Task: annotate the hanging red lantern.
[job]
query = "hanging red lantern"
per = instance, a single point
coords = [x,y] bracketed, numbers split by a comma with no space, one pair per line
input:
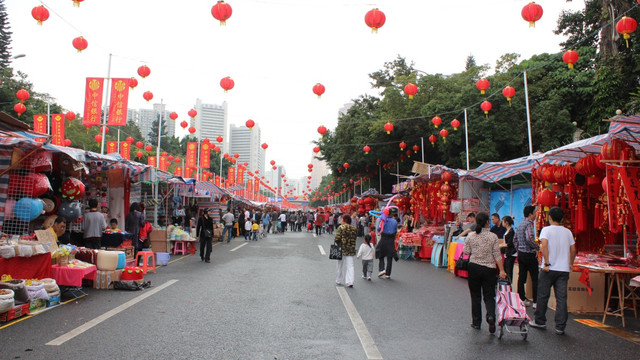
[148,148]
[129,140]
[236,155]
[437,120]
[227,83]
[366,149]
[409,153]
[40,13]
[139,144]
[221,12]
[216,149]
[274,167]
[148,95]
[588,166]
[626,26]
[375,19]
[170,157]
[310,165]
[416,148]
[272,162]
[192,130]
[19,108]
[446,176]
[318,89]
[411,89]
[455,124]
[206,140]
[98,138]
[176,160]
[264,146]
[173,116]
[486,107]
[192,114]
[250,124]
[67,142]
[388,127]
[139,154]
[532,12]
[133,82]
[219,139]
[444,133]
[144,71]
[432,140]
[80,43]
[509,92]
[22,95]
[546,198]
[164,153]
[482,85]
[316,149]
[345,165]
[570,57]
[322,130]
[402,146]
[70,115]
[184,124]
[104,129]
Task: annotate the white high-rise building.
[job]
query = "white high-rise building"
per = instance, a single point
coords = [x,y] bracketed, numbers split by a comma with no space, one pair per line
[211,122]
[246,143]
[145,118]
[320,170]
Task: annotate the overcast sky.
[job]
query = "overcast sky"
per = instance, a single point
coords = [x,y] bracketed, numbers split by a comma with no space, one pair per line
[275,51]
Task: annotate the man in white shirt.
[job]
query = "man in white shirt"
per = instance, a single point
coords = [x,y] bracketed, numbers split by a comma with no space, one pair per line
[558,253]
[228,220]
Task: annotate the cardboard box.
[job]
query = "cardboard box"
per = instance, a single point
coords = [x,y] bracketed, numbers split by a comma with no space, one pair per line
[104,278]
[158,239]
[578,299]
[37,305]
[15,313]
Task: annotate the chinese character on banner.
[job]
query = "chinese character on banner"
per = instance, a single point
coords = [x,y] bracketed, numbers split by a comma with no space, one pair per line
[256,186]
[112,147]
[125,150]
[93,101]
[163,163]
[178,171]
[192,155]
[151,160]
[217,181]
[231,176]
[205,177]
[57,129]
[119,100]
[205,155]
[188,172]
[249,190]
[40,125]
[240,175]
[631,182]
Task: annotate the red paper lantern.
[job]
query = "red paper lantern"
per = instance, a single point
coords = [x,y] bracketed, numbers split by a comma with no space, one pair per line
[70,115]
[588,166]
[509,92]
[216,149]
[366,149]
[22,95]
[388,127]
[250,124]
[173,116]
[144,71]
[219,139]
[409,153]
[322,130]
[411,89]
[482,85]
[546,198]
[446,176]
[437,120]
[170,158]
[139,144]
[176,160]
[626,26]
[192,130]
[274,167]
[402,145]
[345,165]
[375,19]
[19,108]
[139,154]
[310,165]
[532,12]
[455,124]
[272,162]
[133,82]
[570,57]
[227,83]
[416,148]
[221,12]
[264,146]
[184,124]
[67,142]
[236,155]
[40,13]
[98,138]
[318,89]
[316,149]
[148,95]
[80,43]
[104,129]
[192,113]
[486,107]
[432,140]
[148,148]
[444,133]
[612,150]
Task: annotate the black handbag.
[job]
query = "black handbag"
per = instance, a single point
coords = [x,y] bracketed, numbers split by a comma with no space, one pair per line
[335,252]
[208,233]
[462,263]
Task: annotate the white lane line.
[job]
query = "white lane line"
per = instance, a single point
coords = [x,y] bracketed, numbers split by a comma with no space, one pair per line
[366,340]
[82,328]
[238,247]
[322,250]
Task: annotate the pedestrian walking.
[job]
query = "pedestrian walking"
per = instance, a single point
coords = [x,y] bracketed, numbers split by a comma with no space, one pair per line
[510,253]
[266,224]
[525,243]
[247,230]
[204,232]
[483,249]
[255,230]
[367,253]
[558,254]
[228,219]
[331,222]
[319,221]
[386,248]
[300,220]
[282,222]
[346,237]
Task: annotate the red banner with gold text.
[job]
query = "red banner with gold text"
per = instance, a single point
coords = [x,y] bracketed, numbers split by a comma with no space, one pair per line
[93,101]
[40,125]
[112,147]
[125,150]
[57,129]
[631,180]
[249,191]
[192,155]
[151,160]
[178,171]
[188,172]
[119,102]
[205,155]
[164,164]
[240,175]
[256,186]
[231,176]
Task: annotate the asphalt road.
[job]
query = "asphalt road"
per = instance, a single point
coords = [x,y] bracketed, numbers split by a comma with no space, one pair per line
[277,299]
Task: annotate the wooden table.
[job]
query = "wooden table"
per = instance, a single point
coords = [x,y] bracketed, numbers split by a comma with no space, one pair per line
[617,276]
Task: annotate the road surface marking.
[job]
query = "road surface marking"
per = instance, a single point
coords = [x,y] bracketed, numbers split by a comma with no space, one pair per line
[13,322]
[634,338]
[82,328]
[366,340]
[322,250]
[178,259]
[238,247]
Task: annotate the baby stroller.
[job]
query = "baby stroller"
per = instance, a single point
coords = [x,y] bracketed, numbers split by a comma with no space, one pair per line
[511,311]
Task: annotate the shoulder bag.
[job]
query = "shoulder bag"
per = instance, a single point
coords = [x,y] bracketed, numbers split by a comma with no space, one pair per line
[462,263]
[335,252]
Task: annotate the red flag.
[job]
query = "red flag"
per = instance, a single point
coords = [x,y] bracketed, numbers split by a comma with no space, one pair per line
[112,147]
[586,280]
[631,181]
[57,129]
[231,175]
[93,101]
[192,155]
[119,101]
[125,150]
[205,155]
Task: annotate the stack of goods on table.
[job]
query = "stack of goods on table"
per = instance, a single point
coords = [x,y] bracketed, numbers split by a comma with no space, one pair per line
[177,234]
[20,297]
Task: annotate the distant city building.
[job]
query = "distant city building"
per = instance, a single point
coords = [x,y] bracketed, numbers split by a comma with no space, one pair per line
[343,110]
[145,118]
[246,143]
[211,122]
[320,170]
[275,176]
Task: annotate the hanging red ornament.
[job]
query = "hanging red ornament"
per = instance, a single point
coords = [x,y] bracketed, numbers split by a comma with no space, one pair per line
[192,130]
[236,155]
[409,152]
[133,82]
[486,107]
[250,124]
[388,127]
[375,19]
[402,145]
[221,12]
[532,12]
[176,160]
[148,148]
[316,149]
[411,89]
[264,146]
[76,3]
[455,124]
[139,154]
[345,165]
[437,120]
[70,115]
[444,133]
[129,140]
[173,116]
[148,95]
[432,140]
[416,148]
[482,85]
[104,129]
[184,124]
[98,138]
[509,92]
[139,144]
[318,89]
[626,26]
[192,114]
[40,13]
[144,71]
[67,142]
[272,162]
[22,95]
[570,57]
[366,149]
[322,130]
[19,108]
[227,83]
[219,139]
[80,43]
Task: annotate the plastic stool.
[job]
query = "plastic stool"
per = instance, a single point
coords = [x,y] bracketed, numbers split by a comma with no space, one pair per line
[180,247]
[144,256]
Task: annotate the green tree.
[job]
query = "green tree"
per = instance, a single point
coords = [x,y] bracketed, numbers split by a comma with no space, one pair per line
[5,37]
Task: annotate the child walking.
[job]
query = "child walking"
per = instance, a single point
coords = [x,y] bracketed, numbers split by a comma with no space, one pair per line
[255,229]
[247,230]
[367,252]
